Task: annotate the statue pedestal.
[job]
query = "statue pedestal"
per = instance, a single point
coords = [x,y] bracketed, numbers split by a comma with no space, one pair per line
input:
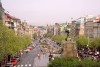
[69,50]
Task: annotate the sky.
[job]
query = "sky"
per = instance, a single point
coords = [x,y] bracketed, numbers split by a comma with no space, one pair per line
[43,12]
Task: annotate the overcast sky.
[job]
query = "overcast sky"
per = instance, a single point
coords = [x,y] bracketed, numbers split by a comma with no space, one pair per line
[43,12]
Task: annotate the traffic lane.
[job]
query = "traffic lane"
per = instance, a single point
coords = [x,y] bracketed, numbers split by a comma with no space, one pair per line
[55,46]
[42,61]
[42,49]
[29,58]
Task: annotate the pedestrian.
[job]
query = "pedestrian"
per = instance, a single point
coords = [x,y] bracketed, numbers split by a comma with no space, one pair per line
[95,58]
[38,56]
[41,50]
[26,51]
[50,57]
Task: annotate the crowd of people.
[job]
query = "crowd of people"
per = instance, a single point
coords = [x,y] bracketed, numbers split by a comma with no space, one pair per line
[89,53]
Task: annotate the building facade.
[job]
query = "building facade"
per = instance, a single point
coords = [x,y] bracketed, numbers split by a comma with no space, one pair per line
[11,22]
[42,30]
[92,27]
[20,27]
[50,29]
[1,11]
[56,29]
[75,28]
[81,21]
[63,27]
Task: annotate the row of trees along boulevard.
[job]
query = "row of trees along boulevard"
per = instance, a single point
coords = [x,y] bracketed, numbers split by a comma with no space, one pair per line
[86,44]
[11,44]
[83,41]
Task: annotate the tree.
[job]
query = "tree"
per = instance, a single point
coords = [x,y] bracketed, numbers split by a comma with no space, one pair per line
[67,31]
[34,35]
[81,40]
[48,35]
[59,38]
[95,43]
[10,43]
[73,62]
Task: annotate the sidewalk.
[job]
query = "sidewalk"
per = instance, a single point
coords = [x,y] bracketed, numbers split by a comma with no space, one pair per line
[42,62]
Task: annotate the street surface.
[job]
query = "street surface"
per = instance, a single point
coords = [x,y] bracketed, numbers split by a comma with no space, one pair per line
[31,59]
[27,60]
[42,61]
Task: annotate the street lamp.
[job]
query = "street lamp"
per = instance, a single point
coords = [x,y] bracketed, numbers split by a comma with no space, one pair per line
[88,38]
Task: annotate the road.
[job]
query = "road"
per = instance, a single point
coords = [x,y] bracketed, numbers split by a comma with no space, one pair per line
[42,61]
[30,59]
[53,45]
[27,60]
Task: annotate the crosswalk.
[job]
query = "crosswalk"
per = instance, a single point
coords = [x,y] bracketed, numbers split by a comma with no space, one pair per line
[25,65]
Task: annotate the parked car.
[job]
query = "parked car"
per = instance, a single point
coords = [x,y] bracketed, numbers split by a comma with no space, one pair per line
[27,50]
[9,65]
[17,57]
[30,48]
[14,61]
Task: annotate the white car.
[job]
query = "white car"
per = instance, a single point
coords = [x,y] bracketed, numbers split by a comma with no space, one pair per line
[9,65]
[27,50]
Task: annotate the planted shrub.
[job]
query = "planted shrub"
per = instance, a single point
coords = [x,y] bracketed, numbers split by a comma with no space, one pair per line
[73,62]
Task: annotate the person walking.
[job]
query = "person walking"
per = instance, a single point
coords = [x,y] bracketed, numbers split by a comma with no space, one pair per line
[50,57]
[38,56]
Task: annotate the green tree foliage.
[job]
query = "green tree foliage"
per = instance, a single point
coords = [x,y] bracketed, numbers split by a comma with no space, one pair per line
[58,38]
[81,40]
[95,43]
[11,43]
[73,62]
[34,35]
[48,35]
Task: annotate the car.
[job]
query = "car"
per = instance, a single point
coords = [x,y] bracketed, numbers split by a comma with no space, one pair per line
[9,65]
[29,48]
[14,61]
[26,50]
[17,57]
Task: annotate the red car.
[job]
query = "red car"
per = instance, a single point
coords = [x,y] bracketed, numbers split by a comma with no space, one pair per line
[14,61]
[30,48]
[17,58]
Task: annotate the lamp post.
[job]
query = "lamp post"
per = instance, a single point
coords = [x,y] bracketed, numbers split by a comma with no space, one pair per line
[88,38]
